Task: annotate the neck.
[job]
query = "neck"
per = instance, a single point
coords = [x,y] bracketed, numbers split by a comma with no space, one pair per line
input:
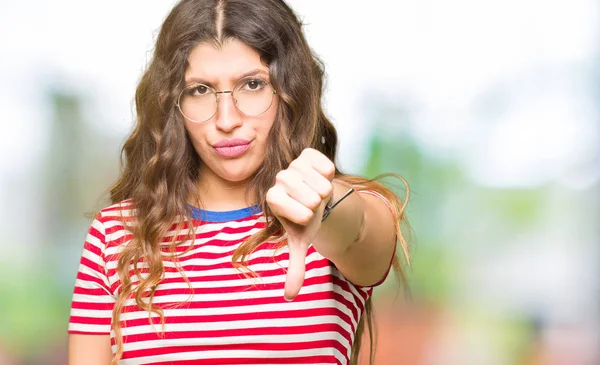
[217,194]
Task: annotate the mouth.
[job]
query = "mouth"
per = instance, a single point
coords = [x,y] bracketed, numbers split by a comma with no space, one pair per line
[232,149]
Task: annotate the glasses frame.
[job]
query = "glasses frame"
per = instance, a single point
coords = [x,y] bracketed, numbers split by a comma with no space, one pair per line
[216,94]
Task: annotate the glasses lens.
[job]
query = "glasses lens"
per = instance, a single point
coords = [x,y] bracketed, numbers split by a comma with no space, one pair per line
[198,103]
[253,96]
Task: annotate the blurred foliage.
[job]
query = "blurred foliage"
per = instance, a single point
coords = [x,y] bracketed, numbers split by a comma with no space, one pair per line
[79,165]
[451,221]
[38,307]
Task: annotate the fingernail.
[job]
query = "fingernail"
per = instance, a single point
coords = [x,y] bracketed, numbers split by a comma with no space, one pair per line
[287,299]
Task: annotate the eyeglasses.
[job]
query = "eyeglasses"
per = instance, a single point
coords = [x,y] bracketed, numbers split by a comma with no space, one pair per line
[251,96]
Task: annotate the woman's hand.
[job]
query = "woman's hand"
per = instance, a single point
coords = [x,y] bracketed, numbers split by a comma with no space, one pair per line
[298,200]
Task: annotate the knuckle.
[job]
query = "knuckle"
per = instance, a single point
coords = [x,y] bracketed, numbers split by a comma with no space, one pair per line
[314,203]
[270,196]
[296,165]
[303,219]
[309,153]
[306,151]
[327,191]
[281,176]
[330,167]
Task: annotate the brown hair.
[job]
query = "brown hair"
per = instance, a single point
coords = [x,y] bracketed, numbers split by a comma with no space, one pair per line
[160,165]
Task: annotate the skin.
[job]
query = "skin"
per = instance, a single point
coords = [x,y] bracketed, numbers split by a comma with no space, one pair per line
[89,350]
[358,236]
[227,176]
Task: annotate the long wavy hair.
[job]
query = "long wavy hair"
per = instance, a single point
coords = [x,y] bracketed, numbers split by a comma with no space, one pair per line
[161,167]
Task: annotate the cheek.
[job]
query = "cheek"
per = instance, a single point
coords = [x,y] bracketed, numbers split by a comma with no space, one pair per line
[196,133]
[270,117]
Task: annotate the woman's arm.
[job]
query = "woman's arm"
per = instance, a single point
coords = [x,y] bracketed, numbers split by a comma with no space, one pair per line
[358,236]
[89,349]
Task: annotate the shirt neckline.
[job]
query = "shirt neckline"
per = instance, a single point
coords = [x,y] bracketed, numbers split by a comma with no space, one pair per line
[211,216]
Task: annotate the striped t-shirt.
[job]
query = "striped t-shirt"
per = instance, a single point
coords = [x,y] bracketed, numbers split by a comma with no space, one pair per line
[228,318]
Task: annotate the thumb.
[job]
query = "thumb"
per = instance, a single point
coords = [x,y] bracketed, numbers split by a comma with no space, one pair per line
[296,268]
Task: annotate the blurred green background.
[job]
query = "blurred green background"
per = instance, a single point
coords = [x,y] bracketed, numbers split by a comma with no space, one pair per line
[490,110]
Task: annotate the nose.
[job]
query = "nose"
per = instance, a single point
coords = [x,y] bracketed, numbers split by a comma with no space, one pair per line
[228,116]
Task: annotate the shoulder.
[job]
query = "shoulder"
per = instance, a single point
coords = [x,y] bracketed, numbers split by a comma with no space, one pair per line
[118,210]
[115,219]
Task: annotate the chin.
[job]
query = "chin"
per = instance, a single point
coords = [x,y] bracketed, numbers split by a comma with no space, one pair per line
[238,176]
[236,170]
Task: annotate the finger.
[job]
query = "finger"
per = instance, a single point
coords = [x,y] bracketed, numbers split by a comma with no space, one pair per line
[320,162]
[296,269]
[295,187]
[316,181]
[284,206]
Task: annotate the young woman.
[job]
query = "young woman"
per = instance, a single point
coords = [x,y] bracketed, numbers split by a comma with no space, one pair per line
[232,238]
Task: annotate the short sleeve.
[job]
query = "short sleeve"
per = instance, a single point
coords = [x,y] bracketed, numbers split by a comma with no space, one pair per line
[93,302]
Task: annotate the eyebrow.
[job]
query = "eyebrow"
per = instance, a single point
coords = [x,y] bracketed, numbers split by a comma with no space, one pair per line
[256,71]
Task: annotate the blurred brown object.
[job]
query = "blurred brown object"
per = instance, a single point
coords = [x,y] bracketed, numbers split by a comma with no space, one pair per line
[404,332]
[5,357]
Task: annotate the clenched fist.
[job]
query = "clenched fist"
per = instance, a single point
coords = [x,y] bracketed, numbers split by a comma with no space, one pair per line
[298,200]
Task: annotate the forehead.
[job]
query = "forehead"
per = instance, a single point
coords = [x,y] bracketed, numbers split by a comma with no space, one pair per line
[220,64]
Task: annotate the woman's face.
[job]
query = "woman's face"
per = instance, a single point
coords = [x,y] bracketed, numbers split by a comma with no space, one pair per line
[222,69]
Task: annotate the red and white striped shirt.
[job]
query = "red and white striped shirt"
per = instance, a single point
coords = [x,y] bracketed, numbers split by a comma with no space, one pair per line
[228,318]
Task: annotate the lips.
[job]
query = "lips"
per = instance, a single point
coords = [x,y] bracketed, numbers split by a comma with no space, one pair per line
[231,143]
[232,147]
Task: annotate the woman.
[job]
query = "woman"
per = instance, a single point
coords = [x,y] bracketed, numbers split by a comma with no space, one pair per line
[222,245]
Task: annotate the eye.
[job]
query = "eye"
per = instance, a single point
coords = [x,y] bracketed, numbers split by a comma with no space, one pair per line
[198,90]
[252,85]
